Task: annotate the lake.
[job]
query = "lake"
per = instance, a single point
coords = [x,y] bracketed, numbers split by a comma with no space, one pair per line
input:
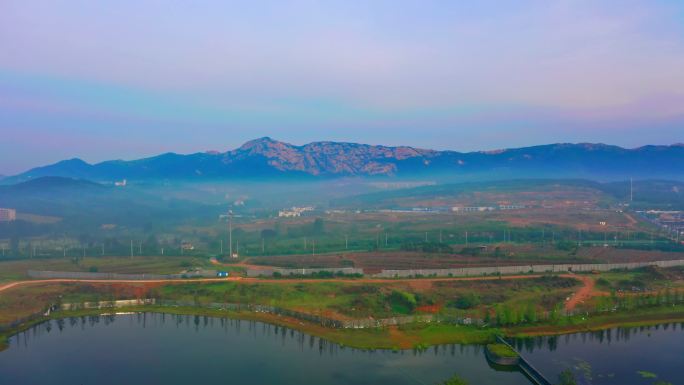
[620,356]
[152,348]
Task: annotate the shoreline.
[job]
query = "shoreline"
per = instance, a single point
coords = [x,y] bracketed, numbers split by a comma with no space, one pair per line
[414,336]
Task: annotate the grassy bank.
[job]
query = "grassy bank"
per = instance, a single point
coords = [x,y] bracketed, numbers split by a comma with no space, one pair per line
[412,336]
[578,324]
[404,337]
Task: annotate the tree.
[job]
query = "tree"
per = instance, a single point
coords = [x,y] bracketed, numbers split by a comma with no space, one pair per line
[14,246]
[318,226]
[268,233]
[531,314]
[152,244]
[467,301]
[404,299]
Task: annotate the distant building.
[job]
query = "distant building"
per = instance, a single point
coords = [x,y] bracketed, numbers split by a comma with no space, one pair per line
[471,209]
[511,207]
[8,215]
[187,246]
[294,212]
[289,214]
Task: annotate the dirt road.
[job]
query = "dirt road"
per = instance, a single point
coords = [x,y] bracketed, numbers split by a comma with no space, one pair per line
[583,294]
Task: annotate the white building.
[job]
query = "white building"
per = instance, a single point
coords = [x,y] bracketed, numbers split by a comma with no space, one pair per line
[8,215]
[294,212]
[471,209]
[511,207]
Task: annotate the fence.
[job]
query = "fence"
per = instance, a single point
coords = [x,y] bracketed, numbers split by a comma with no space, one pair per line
[522,269]
[457,272]
[256,308]
[112,276]
[300,272]
[107,304]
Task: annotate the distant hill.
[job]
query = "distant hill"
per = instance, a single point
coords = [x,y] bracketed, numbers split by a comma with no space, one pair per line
[82,203]
[268,158]
[646,194]
[51,184]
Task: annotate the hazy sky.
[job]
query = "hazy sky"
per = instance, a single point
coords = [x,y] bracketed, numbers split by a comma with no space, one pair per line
[125,79]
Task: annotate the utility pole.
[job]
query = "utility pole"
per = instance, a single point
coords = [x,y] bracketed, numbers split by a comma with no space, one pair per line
[466,234]
[263,246]
[440,236]
[346,242]
[230,233]
[132,249]
[579,237]
[221,246]
[140,248]
[631,190]
[103,249]
[385,239]
[426,237]
[313,247]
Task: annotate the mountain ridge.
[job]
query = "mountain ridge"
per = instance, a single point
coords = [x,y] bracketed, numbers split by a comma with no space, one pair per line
[268,158]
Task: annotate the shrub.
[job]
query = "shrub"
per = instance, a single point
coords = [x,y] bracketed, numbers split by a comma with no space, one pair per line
[566,245]
[403,301]
[467,301]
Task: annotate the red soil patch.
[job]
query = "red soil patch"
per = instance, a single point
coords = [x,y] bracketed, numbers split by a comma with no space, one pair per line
[430,308]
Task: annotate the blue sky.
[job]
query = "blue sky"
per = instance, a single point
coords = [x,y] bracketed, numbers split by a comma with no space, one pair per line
[127,79]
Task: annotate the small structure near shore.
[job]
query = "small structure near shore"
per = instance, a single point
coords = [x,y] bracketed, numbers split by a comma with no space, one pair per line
[502,354]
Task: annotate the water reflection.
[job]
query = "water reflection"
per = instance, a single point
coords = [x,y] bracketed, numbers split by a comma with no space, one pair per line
[615,356]
[550,343]
[158,348]
[282,334]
